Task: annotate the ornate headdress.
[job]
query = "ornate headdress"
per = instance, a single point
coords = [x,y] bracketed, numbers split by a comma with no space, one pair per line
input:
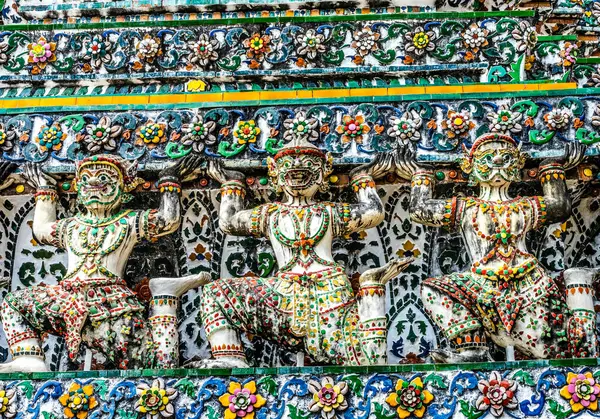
[300,146]
[491,137]
[127,170]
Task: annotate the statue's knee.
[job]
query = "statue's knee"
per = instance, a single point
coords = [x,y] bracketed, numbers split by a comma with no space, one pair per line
[428,297]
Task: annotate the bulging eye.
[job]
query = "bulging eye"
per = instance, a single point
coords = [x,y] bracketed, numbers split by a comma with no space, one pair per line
[309,164]
[507,158]
[103,178]
[84,179]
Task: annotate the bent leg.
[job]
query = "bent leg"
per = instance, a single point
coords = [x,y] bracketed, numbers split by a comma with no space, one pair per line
[464,331]
[24,342]
[163,315]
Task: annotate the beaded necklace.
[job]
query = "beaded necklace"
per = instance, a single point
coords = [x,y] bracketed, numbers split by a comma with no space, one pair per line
[503,238]
[89,247]
[302,244]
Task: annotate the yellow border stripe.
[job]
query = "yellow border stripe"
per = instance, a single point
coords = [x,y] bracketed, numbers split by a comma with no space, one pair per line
[269,95]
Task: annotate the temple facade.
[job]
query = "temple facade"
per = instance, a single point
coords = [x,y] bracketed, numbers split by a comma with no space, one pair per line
[227,209]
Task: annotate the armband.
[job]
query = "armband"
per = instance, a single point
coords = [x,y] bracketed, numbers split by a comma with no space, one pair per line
[46,194]
[550,171]
[169,187]
[233,187]
[362,181]
[422,178]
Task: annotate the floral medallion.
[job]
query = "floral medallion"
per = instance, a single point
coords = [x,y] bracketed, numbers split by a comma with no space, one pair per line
[497,394]
[51,138]
[353,129]
[198,133]
[78,401]
[155,401]
[581,391]
[41,53]
[410,398]
[301,128]
[203,51]
[241,402]
[328,397]
[458,124]
[246,132]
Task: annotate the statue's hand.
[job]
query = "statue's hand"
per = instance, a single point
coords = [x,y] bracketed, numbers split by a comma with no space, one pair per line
[574,155]
[6,168]
[184,168]
[216,171]
[36,177]
[382,164]
[406,162]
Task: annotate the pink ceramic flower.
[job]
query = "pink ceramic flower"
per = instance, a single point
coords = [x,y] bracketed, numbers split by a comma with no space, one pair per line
[581,391]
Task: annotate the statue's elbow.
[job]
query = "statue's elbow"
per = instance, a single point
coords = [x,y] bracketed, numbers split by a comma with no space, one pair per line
[226,226]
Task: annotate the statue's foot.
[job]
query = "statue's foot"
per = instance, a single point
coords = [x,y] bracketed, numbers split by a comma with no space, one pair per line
[223,362]
[24,364]
[178,286]
[445,356]
[388,271]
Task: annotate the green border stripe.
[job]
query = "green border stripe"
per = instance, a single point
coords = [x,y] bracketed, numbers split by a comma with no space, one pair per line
[272,19]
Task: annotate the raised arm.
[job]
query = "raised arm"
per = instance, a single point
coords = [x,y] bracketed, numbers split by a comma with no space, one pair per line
[552,176]
[44,216]
[367,212]
[424,209]
[167,218]
[6,168]
[233,218]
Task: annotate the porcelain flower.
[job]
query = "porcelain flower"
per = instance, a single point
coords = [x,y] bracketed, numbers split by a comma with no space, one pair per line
[407,128]
[419,41]
[301,128]
[203,51]
[241,402]
[156,401]
[558,119]
[310,44]
[51,138]
[198,133]
[410,398]
[353,129]
[102,135]
[365,41]
[327,397]
[505,121]
[497,394]
[458,124]
[8,408]
[581,391]
[78,401]
[246,132]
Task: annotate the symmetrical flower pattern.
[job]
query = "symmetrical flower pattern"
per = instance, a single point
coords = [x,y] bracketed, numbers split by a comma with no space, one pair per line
[97,51]
[101,136]
[558,119]
[419,41]
[148,48]
[51,138]
[497,394]
[241,402]
[458,124]
[155,401]
[581,391]
[151,134]
[406,128]
[310,44]
[203,51]
[353,129]
[410,398]
[198,133]
[41,53]
[246,132]
[365,41]
[505,121]
[328,397]
[78,401]
[301,128]
[7,138]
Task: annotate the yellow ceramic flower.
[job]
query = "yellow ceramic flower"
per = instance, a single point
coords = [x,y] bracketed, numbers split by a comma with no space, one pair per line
[241,402]
[410,398]
[581,391]
[78,401]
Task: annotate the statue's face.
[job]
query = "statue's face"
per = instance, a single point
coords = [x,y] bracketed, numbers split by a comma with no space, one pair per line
[301,175]
[496,163]
[99,186]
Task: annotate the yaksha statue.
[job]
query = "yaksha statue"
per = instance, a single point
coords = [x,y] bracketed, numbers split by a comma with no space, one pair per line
[92,304]
[506,295]
[309,303]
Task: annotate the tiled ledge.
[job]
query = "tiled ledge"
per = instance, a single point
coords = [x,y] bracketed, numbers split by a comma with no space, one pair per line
[537,389]
[283,97]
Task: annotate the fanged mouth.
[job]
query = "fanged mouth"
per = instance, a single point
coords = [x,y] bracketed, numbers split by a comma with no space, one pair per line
[298,178]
